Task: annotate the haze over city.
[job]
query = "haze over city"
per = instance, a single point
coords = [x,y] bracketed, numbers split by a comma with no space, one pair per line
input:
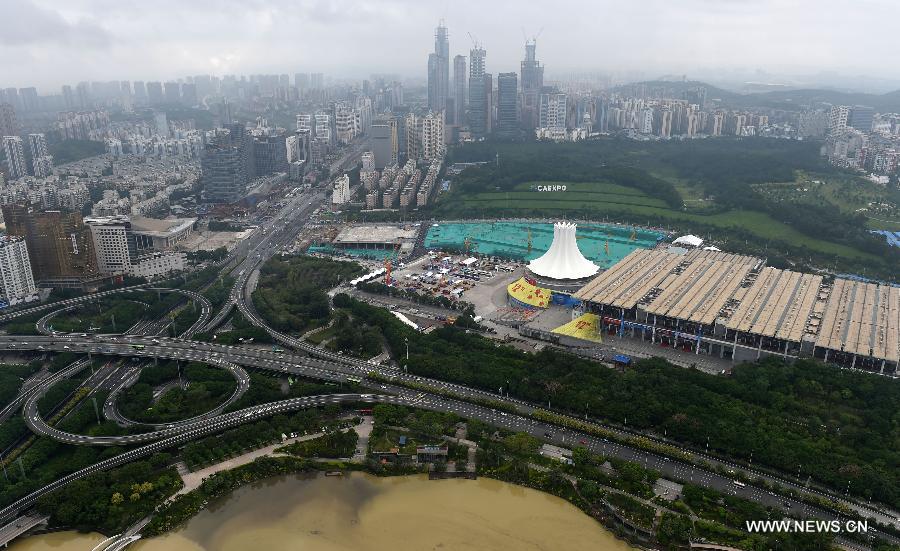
[802,42]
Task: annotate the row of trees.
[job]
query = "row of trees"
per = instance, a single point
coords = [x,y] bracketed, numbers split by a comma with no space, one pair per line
[835,426]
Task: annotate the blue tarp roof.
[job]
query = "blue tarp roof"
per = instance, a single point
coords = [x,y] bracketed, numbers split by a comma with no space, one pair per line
[622,359]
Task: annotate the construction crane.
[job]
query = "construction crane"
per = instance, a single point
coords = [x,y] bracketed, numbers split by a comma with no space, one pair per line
[475,43]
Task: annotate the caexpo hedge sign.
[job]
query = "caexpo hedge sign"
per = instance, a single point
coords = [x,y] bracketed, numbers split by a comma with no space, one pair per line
[549,188]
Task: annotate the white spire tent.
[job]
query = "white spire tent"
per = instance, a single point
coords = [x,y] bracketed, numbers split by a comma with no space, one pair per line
[563,260]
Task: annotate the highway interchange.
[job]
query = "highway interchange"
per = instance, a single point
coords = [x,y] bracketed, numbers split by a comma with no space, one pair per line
[311,362]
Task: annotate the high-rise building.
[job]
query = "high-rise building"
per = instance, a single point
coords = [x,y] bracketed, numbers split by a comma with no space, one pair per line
[490,106]
[30,99]
[323,128]
[227,165]
[15,157]
[507,103]
[385,142]
[16,278]
[41,161]
[837,119]
[552,111]
[532,84]
[270,154]
[457,117]
[161,122]
[140,91]
[68,97]
[114,243]
[155,93]
[173,92]
[861,118]
[301,82]
[479,108]
[340,193]
[9,124]
[189,94]
[60,246]
[439,70]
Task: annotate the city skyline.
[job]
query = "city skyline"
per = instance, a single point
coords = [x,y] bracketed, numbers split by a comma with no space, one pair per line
[737,40]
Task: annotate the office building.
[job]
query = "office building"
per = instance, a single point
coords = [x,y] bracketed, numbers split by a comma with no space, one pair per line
[16,279]
[439,70]
[114,243]
[507,103]
[532,84]
[861,118]
[60,247]
[457,116]
[385,142]
[227,165]
[479,108]
[270,154]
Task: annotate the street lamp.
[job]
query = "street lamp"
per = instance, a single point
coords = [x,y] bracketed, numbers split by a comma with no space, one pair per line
[406,340]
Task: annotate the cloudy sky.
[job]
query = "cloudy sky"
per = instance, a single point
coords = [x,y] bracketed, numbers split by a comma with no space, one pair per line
[50,42]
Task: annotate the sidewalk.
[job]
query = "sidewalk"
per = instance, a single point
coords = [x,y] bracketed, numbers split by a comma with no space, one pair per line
[192,480]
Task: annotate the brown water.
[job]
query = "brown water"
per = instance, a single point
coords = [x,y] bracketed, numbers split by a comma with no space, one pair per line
[361,512]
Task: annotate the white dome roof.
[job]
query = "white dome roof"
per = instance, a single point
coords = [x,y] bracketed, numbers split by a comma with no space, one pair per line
[563,260]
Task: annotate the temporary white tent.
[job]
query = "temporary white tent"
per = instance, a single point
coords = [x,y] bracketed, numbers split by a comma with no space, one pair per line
[689,241]
[563,260]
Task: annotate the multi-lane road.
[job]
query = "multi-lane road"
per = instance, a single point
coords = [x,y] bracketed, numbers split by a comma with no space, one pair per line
[320,364]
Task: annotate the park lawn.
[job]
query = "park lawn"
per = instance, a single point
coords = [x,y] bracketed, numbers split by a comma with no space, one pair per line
[591,187]
[125,312]
[322,335]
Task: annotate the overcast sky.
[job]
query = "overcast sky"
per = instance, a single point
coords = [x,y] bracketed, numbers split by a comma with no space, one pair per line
[50,42]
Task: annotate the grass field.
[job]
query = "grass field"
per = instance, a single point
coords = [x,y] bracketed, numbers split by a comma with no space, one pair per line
[603,199]
[850,194]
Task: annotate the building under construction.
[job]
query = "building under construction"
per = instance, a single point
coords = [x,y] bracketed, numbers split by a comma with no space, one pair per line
[732,306]
[60,247]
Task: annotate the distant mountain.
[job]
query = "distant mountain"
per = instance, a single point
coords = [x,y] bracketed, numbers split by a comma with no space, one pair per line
[778,99]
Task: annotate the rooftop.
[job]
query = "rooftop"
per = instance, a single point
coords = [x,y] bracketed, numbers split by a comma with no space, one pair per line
[374,234]
[744,295]
[161,227]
